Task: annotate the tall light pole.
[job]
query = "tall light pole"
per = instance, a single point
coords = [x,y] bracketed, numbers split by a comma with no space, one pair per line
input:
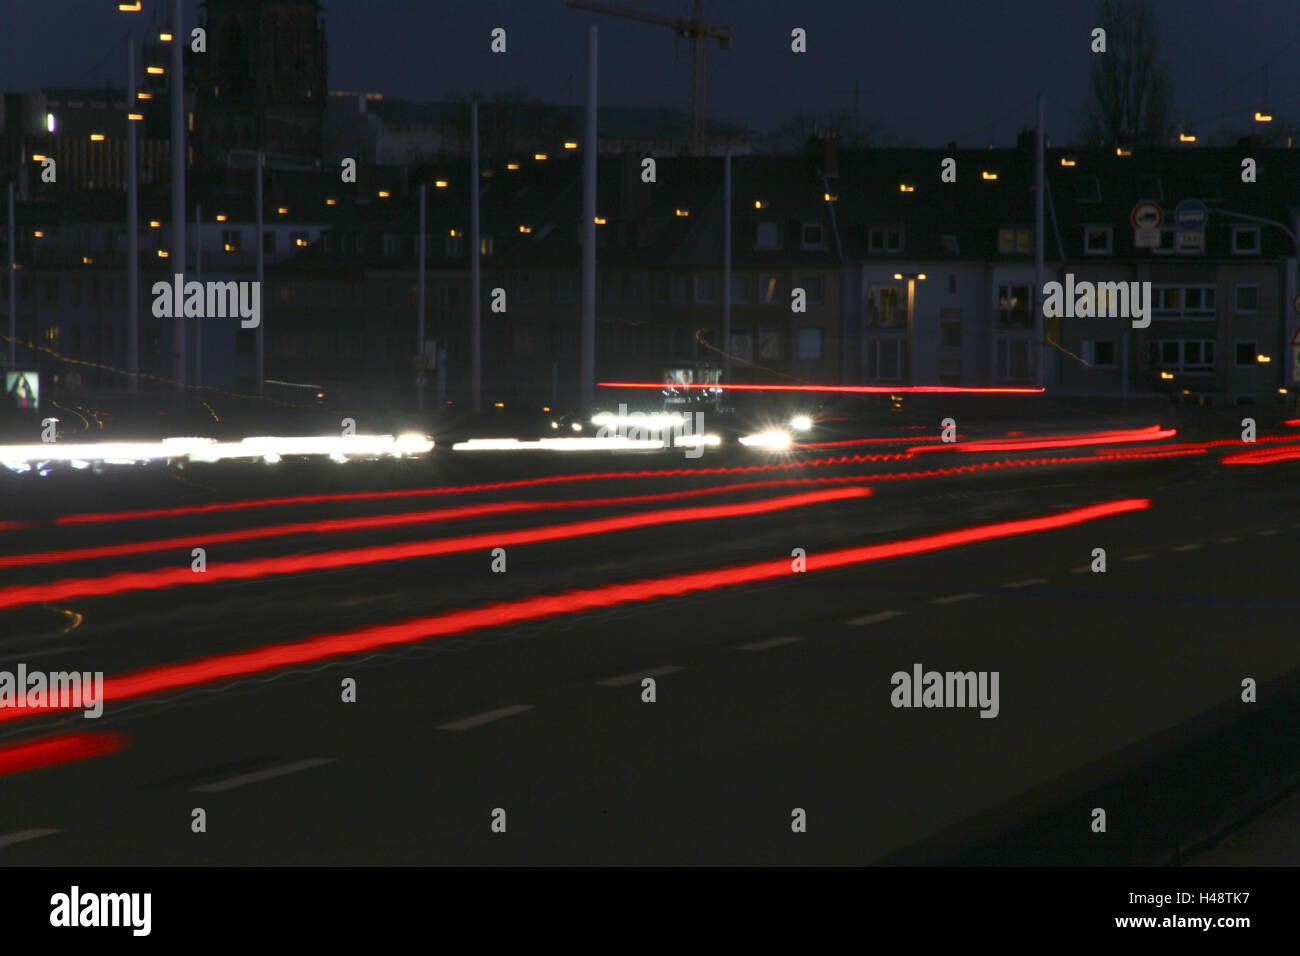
[178,184]
[13,282]
[726,269]
[911,278]
[419,324]
[587,370]
[132,229]
[475,282]
[258,240]
[198,277]
[1037,297]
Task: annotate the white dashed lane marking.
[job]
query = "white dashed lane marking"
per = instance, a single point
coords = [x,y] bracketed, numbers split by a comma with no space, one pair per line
[22,836]
[770,642]
[500,713]
[1083,570]
[1137,557]
[1187,547]
[954,598]
[1265,534]
[625,679]
[269,774]
[874,618]
[1025,583]
[1227,540]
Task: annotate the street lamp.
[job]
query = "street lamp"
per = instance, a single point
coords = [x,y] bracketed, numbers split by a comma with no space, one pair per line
[912,278]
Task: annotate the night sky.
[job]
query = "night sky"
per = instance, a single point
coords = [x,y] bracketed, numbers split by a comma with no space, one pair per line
[940,70]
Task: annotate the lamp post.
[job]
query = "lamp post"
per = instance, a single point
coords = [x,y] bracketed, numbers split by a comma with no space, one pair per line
[912,278]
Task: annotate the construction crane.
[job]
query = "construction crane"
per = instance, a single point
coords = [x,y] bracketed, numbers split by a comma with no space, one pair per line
[692,28]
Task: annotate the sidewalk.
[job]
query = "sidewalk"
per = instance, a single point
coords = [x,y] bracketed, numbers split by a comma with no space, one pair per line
[1272,839]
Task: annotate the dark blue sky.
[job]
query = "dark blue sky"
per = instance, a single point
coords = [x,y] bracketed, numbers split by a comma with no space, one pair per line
[930,71]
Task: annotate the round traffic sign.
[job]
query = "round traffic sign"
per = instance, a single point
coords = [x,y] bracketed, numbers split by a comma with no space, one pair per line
[1191,215]
[1147,215]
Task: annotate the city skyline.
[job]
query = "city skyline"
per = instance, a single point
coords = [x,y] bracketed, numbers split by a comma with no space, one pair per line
[753,83]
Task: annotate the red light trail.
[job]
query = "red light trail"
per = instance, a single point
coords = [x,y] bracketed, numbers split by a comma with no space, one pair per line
[161,578]
[293,500]
[60,748]
[169,677]
[1262,456]
[843,389]
[343,525]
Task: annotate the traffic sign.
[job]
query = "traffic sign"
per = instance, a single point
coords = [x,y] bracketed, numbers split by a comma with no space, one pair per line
[1147,215]
[1191,215]
[1295,336]
[1295,307]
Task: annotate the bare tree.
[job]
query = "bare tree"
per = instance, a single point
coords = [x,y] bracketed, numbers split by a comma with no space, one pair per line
[1131,102]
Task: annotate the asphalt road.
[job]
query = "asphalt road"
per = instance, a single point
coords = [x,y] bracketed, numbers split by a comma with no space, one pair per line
[1118,690]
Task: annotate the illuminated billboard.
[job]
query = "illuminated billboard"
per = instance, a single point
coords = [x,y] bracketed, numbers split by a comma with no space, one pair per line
[23,389]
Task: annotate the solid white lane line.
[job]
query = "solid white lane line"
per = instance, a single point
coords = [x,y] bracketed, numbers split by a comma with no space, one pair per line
[22,836]
[1025,583]
[874,618]
[624,679]
[954,598]
[770,642]
[244,779]
[486,718]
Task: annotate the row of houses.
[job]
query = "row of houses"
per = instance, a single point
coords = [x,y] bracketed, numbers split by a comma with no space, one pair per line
[847,266]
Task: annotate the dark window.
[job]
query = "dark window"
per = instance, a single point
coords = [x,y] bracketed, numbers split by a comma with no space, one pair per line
[1103,353]
[950,334]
